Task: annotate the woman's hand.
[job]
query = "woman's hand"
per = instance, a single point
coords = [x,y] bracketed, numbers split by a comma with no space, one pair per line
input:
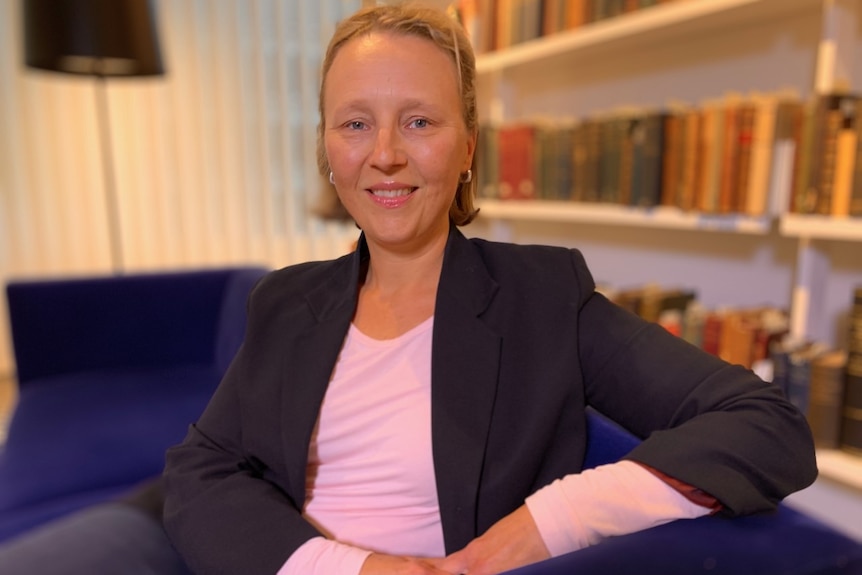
[379,564]
[512,542]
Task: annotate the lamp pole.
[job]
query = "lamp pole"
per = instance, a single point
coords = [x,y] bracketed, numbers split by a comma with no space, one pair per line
[112,203]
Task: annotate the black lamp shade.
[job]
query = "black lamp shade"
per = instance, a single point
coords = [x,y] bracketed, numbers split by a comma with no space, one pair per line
[92,37]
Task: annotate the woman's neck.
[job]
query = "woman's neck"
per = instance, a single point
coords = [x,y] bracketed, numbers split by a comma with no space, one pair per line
[398,291]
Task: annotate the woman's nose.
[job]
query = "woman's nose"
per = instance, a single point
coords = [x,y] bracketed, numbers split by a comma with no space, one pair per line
[388,149]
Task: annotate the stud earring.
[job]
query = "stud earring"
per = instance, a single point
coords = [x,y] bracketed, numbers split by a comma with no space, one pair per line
[466,177]
[331,178]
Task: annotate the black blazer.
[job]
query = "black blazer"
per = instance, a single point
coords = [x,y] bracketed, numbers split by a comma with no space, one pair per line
[521,344]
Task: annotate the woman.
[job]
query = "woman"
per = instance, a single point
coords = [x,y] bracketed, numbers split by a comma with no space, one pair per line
[418,405]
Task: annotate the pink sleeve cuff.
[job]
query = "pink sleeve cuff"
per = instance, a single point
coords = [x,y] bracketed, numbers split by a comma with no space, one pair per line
[321,556]
[580,510]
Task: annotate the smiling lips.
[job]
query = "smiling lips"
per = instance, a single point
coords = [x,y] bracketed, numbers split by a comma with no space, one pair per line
[391,198]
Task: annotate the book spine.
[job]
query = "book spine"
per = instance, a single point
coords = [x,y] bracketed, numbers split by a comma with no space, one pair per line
[757,196]
[653,146]
[851,430]
[845,159]
[690,160]
[745,139]
[832,120]
[671,158]
[825,399]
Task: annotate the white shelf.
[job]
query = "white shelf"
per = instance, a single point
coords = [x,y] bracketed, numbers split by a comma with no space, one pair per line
[610,214]
[840,466]
[819,227]
[653,23]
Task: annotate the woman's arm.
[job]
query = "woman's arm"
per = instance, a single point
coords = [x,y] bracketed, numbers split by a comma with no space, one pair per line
[221,512]
[709,424]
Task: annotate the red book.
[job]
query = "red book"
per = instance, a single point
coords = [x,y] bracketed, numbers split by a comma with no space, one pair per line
[517,162]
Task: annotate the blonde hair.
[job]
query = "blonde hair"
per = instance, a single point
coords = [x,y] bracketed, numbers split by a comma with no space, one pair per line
[443,31]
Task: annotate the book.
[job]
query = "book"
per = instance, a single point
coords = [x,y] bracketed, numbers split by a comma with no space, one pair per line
[832,119]
[799,373]
[576,13]
[530,24]
[825,399]
[788,124]
[804,198]
[591,172]
[488,162]
[554,16]
[737,337]
[627,174]
[613,130]
[562,143]
[762,147]
[503,25]
[845,159]
[851,430]
[711,146]
[648,185]
[729,157]
[671,157]
[779,355]
[693,319]
[516,161]
[689,159]
[467,12]
[713,324]
[746,119]
[855,203]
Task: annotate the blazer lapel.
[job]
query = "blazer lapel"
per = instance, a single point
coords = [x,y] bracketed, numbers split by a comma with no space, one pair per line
[310,355]
[464,367]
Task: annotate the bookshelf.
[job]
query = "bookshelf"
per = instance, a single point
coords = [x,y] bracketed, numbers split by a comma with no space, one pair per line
[640,27]
[663,217]
[816,227]
[691,51]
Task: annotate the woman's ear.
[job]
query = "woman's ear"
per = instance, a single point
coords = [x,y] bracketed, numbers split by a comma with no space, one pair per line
[471,150]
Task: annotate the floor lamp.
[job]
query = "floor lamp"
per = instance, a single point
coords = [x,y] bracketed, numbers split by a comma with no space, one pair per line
[102,39]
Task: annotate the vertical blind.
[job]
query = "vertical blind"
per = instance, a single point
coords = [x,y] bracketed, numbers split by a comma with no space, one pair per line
[214,162]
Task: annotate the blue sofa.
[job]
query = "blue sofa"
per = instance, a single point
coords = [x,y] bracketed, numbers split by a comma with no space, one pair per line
[111,371]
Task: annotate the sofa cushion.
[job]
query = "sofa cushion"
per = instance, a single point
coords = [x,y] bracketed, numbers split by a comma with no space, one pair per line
[94,430]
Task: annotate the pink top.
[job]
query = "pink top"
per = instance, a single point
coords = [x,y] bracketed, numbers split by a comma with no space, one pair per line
[370,482]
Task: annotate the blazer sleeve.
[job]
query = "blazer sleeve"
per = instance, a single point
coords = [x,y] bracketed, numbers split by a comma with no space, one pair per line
[710,424]
[224,511]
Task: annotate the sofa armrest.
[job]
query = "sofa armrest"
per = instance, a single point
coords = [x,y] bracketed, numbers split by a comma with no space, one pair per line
[778,543]
[784,541]
[146,320]
[607,441]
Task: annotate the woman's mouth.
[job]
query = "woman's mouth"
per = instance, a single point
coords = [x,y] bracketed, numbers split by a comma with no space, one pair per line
[392,198]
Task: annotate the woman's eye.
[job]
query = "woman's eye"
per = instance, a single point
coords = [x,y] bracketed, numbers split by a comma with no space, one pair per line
[356,125]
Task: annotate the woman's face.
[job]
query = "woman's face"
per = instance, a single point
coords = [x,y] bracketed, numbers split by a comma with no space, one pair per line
[395,137]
